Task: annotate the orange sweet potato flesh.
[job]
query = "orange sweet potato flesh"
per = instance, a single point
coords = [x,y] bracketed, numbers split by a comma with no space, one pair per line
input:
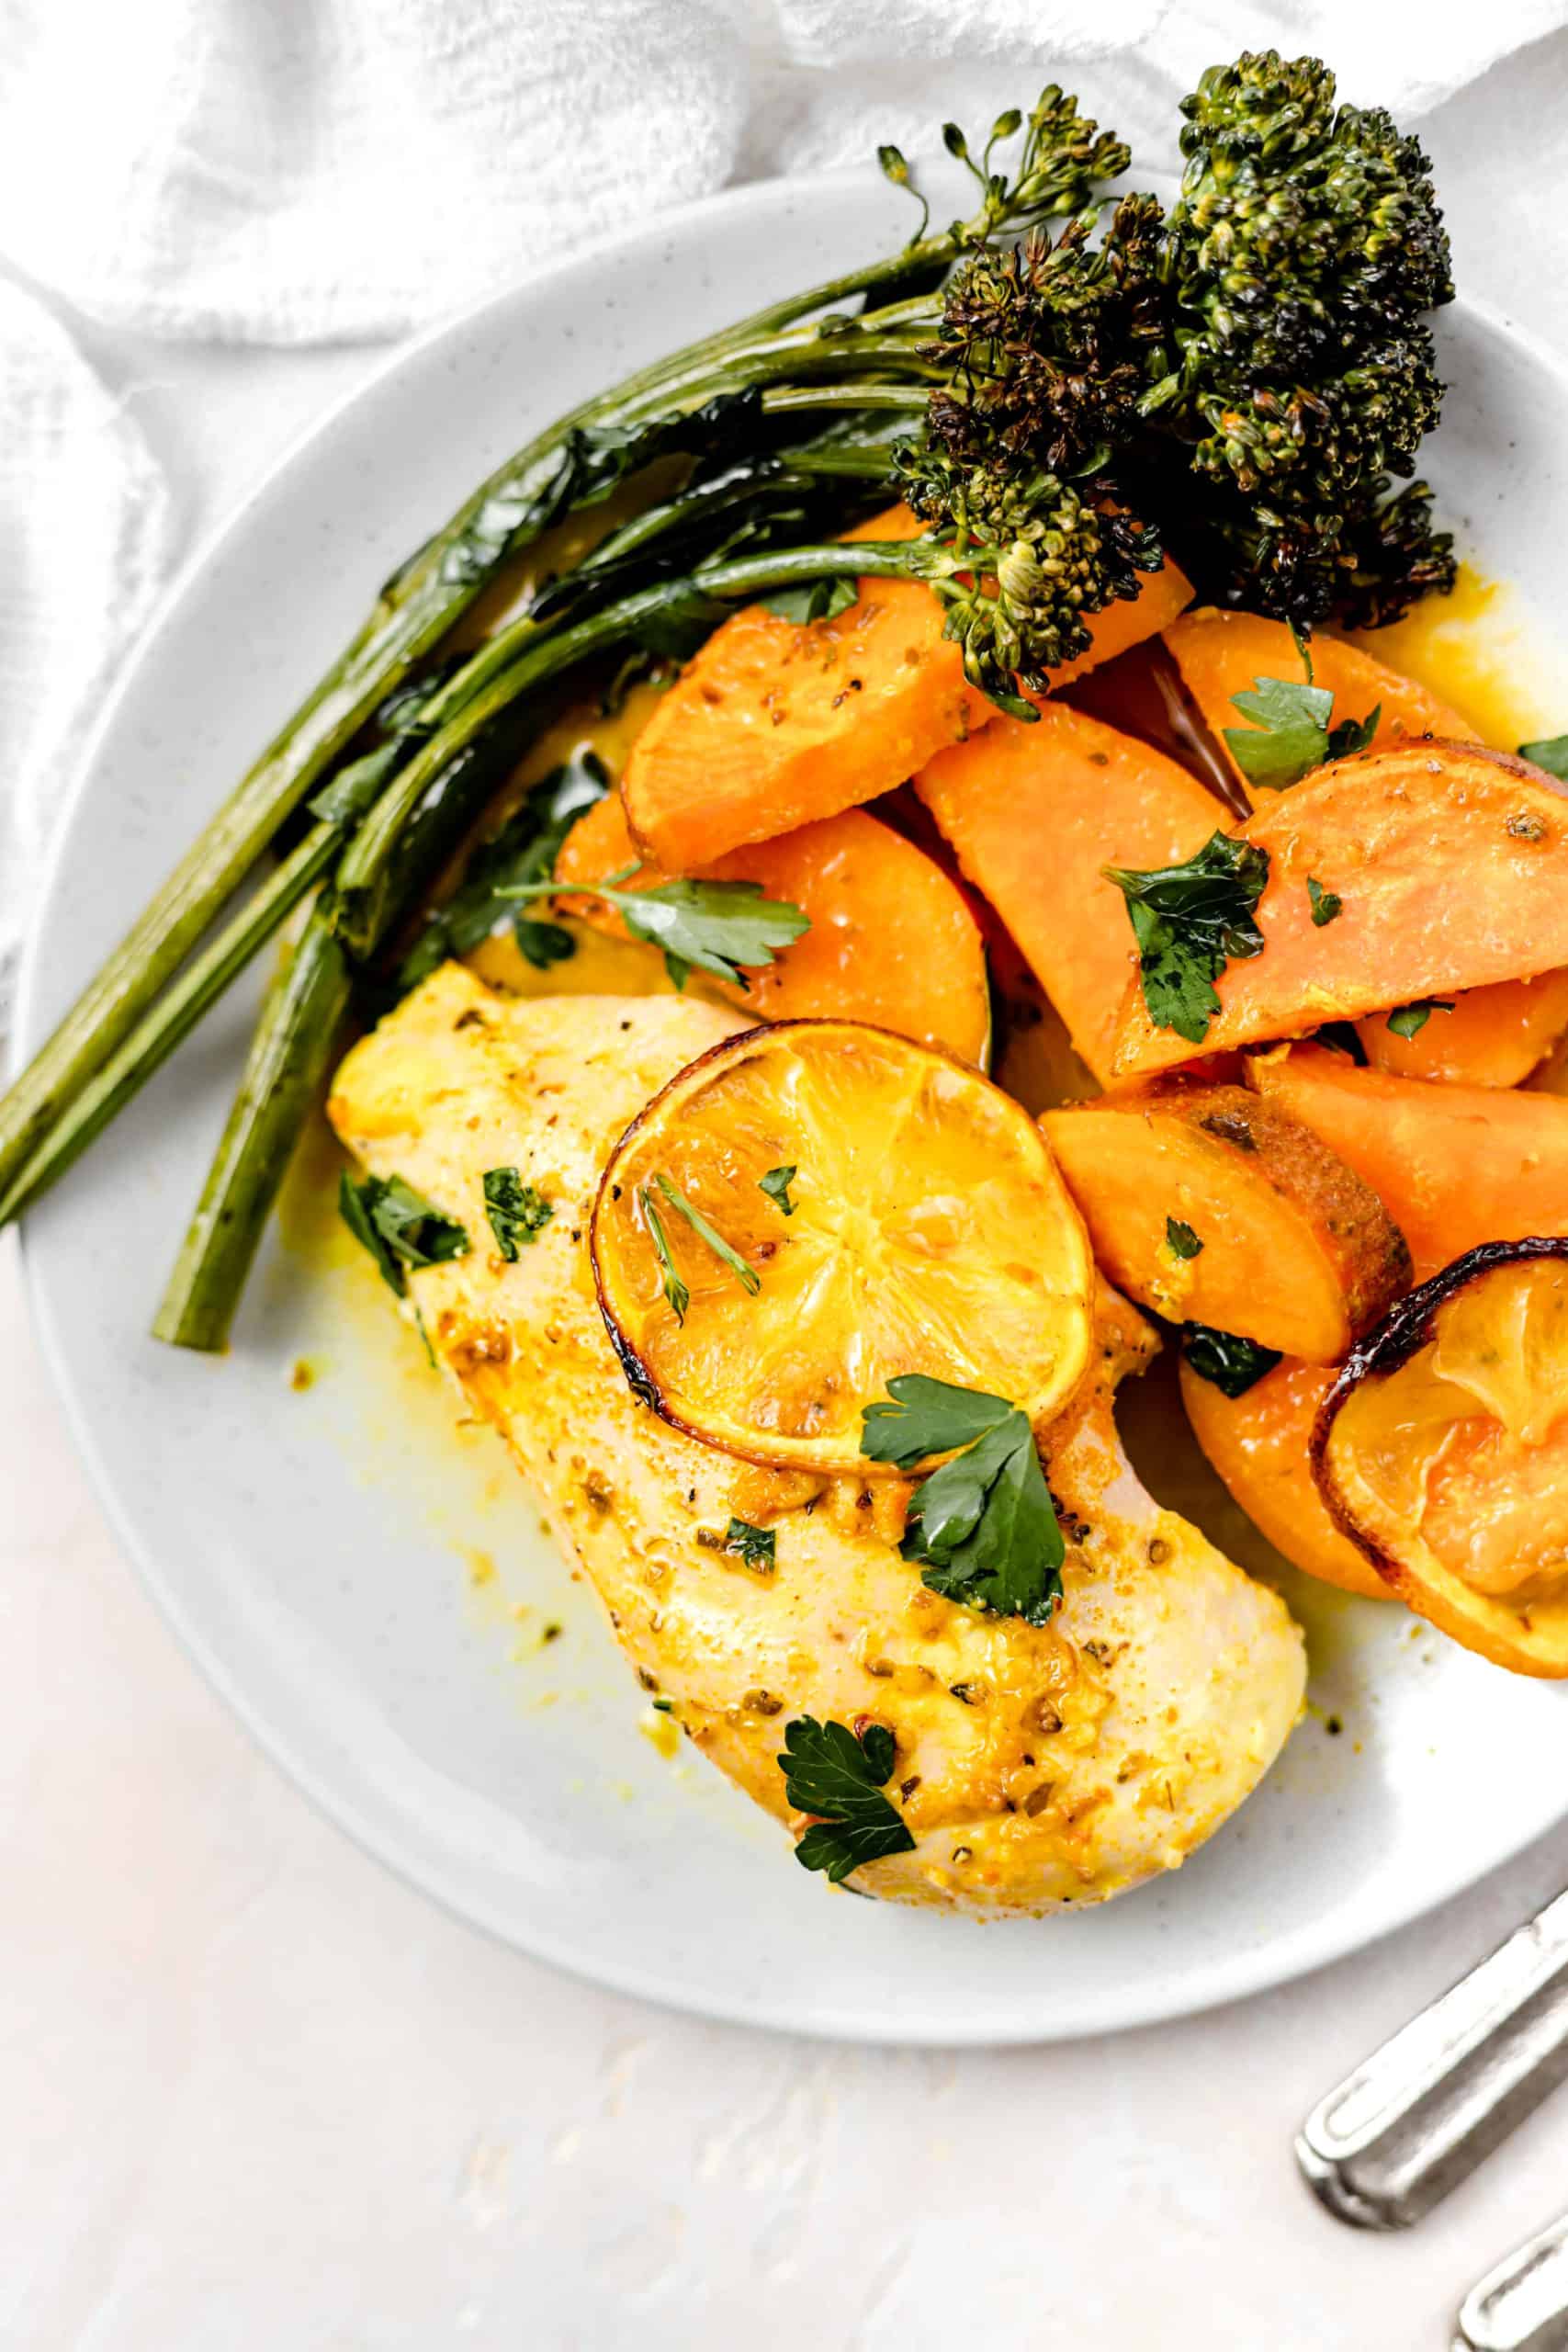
[1033,812]
[1297,1253]
[1258,1443]
[1493,1037]
[891,941]
[1220,655]
[774,724]
[1453,1165]
[1452,862]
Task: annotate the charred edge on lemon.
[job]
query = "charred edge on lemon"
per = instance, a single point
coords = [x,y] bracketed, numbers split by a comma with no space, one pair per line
[1407,1327]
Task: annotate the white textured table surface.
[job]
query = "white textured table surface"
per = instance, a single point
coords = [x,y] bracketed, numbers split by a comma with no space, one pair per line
[254,2094]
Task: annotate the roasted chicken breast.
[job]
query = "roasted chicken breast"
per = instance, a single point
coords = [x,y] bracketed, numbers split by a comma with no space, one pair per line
[1035,1766]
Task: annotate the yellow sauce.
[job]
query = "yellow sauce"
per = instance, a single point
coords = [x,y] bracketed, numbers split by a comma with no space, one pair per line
[1483,650]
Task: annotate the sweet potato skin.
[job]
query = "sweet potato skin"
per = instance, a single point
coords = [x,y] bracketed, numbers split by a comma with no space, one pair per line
[1452,862]
[1453,1165]
[1493,1037]
[1032,813]
[1297,1253]
[892,941]
[773,725]
[1220,654]
[1258,1443]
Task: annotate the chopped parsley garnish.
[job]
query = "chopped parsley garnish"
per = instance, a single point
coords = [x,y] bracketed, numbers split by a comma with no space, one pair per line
[747,1276]
[984,1523]
[1325,904]
[517,1213]
[1190,921]
[399,1227]
[714,927]
[837,1777]
[813,600]
[1290,732]
[521,855]
[1410,1019]
[776,1184]
[1551,753]
[1181,1240]
[1234,1365]
[757,1547]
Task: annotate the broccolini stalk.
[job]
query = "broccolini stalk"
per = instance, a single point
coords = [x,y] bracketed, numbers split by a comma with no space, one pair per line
[576,462]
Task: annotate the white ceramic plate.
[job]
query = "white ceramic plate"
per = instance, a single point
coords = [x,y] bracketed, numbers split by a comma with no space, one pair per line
[310,1548]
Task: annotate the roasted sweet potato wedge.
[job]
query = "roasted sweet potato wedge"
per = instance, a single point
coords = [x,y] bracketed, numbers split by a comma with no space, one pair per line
[1220,655]
[1441,1450]
[1260,1443]
[1453,1165]
[1493,1037]
[1209,1206]
[775,724]
[891,941]
[1034,812]
[1450,865]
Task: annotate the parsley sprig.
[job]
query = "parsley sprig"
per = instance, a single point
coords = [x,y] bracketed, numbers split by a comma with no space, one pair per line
[1549,752]
[399,1227]
[1234,1365]
[776,1184]
[1291,731]
[1410,1020]
[1190,921]
[714,927]
[984,1522]
[837,1777]
[517,1212]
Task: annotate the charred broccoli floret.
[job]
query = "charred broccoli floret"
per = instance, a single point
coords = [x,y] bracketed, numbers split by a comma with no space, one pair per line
[1251,372]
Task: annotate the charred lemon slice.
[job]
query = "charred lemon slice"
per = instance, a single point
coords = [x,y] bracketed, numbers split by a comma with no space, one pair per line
[814,1209]
[1442,1451]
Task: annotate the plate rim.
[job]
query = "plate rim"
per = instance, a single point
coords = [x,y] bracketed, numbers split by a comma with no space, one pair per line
[1156,2000]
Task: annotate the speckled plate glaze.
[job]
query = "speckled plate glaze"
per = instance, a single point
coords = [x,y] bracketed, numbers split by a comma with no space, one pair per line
[325,1554]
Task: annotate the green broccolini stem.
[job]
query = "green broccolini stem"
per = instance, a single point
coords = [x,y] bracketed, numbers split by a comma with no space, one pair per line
[171,1020]
[416,609]
[283,1073]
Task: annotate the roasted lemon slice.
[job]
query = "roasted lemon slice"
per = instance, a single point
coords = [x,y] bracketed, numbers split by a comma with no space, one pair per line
[814,1209]
[1442,1451]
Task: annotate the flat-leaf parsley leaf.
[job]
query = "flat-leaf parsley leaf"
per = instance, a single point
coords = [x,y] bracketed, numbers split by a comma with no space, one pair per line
[1410,1019]
[1190,921]
[1181,1240]
[757,1547]
[983,1524]
[840,1779]
[714,927]
[399,1227]
[776,1184]
[517,1213]
[1325,904]
[1234,1365]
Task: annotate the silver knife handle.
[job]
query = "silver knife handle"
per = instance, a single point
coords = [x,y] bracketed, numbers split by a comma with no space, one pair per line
[1418,2116]
[1522,2306]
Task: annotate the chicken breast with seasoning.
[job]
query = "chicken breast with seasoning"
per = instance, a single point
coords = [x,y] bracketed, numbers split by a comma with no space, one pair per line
[1035,1766]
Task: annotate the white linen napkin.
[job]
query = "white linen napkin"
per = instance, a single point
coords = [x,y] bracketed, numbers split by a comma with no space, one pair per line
[287,170]
[86,535]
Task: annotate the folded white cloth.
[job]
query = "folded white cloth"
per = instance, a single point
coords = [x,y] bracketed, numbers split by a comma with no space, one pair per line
[86,535]
[298,170]
[295,170]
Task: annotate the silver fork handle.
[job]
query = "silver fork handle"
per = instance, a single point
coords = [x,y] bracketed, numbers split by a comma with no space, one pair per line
[1418,2116]
[1522,2306]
